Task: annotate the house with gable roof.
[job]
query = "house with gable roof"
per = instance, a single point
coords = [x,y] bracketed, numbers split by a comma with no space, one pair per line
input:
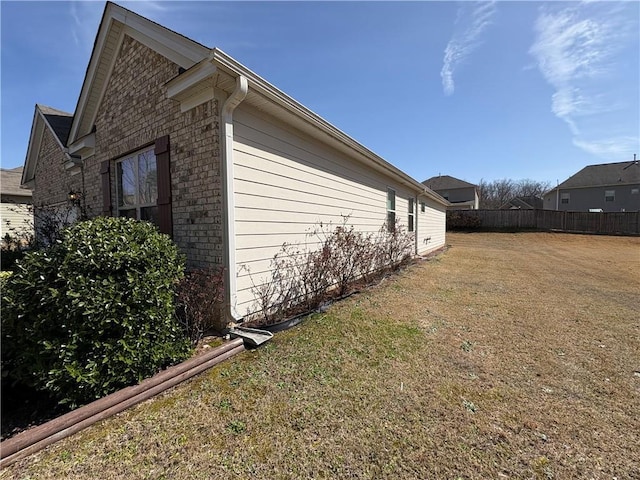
[461,195]
[607,187]
[173,132]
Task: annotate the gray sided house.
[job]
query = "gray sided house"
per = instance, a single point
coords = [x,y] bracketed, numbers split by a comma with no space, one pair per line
[462,195]
[182,135]
[608,187]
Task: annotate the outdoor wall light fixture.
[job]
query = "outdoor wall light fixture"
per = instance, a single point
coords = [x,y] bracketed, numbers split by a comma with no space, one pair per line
[74,197]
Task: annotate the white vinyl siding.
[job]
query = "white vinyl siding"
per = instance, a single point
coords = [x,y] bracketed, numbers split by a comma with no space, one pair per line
[431,226]
[16,219]
[285,185]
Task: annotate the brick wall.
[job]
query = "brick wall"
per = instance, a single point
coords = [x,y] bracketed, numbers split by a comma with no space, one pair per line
[52,182]
[135,112]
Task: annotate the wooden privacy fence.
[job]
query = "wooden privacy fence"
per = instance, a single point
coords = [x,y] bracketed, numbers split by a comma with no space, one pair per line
[615,223]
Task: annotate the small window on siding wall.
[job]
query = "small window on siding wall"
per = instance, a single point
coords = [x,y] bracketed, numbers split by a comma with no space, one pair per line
[391,209]
[423,207]
[411,214]
[609,195]
[564,197]
[635,191]
[137,186]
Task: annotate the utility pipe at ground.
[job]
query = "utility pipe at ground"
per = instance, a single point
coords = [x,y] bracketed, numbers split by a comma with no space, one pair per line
[32,440]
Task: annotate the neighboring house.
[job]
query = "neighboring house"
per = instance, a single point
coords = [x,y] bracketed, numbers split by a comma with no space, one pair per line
[462,195]
[608,187]
[16,216]
[524,203]
[170,131]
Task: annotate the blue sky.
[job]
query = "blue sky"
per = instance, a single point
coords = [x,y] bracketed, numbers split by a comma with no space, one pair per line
[477,90]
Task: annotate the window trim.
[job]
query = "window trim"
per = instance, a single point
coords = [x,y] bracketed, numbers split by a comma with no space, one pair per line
[391,209]
[609,195]
[411,214]
[137,206]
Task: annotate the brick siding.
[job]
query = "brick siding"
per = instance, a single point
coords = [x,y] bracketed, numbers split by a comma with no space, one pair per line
[52,181]
[134,112]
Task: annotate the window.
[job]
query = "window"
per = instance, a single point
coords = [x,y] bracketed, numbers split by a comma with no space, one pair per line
[423,207]
[391,209]
[609,195]
[634,191]
[564,197]
[411,215]
[137,186]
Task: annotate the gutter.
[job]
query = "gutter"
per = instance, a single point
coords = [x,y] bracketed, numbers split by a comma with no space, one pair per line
[278,97]
[229,250]
[250,336]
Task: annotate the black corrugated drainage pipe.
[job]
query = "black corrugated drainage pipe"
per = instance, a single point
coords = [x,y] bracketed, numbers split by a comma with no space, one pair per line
[35,439]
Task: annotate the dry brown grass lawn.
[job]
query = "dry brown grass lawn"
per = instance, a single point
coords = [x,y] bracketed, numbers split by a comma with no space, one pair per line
[508,356]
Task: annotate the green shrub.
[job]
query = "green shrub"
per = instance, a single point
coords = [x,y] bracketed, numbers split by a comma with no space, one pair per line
[94,312]
[464,220]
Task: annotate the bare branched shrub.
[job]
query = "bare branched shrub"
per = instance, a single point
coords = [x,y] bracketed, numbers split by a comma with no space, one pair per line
[346,254]
[51,220]
[273,295]
[395,246]
[327,265]
[308,278]
[199,297]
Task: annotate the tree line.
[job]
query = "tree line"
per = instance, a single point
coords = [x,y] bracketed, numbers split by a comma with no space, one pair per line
[493,194]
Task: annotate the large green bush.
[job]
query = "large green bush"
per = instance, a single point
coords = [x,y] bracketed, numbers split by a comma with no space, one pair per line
[94,312]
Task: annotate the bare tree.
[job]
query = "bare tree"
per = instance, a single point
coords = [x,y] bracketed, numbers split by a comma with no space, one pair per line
[494,194]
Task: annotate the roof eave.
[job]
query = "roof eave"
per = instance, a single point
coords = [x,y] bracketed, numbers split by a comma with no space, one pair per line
[259,85]
[115,23]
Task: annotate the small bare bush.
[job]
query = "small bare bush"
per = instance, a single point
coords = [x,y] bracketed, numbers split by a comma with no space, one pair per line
[327,265]
[199,297]
[395,247]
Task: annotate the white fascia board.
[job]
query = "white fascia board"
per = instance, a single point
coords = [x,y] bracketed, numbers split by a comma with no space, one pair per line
[177,48]
[84,147]
[89,76]
[35,139]
[193,87]
[427,192]
[179,53]
[261,86]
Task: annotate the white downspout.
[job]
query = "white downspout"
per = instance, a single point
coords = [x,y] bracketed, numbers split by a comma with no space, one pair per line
[229,248]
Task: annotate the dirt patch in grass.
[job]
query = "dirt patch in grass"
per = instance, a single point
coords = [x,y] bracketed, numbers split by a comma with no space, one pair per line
[509,356]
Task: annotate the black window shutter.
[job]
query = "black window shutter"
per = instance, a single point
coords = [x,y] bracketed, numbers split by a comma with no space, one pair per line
[106,188]
[163,164]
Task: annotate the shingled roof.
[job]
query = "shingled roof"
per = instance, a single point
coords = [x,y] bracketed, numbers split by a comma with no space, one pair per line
[446,182]
[59,121]
[10,182]
[618,173]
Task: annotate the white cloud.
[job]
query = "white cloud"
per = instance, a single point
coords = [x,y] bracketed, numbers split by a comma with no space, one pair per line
[614,148]
[576,49]
[86,17]
[472,19]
